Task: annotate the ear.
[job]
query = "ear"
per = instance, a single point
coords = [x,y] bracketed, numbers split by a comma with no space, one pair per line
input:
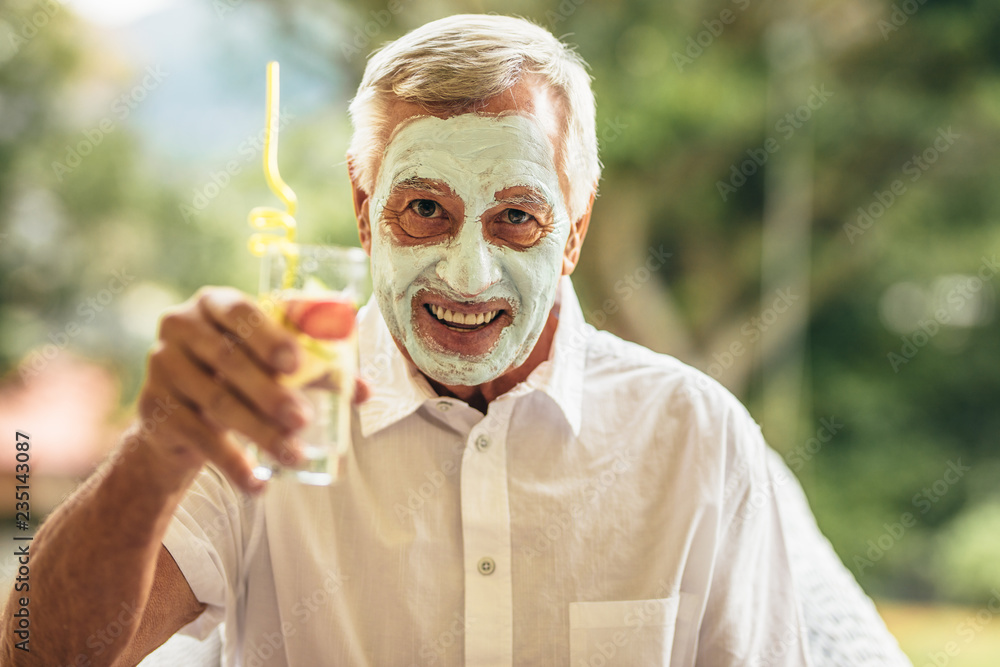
[360,206]
[577,232]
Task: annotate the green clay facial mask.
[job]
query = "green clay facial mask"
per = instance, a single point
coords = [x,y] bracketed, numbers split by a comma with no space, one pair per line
[467,306]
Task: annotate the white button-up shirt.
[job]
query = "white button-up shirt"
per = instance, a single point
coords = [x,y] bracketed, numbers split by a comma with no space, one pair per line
[614,509]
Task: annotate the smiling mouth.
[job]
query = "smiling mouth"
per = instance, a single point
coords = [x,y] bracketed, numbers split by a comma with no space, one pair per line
[461,321]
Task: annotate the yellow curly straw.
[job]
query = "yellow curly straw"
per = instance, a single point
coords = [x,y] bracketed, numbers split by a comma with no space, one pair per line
[265,217]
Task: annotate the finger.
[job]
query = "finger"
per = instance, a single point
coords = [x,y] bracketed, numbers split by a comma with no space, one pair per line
[216,401]
[361,391]
[188,435]
[233,313]
[229,361]
[230,457]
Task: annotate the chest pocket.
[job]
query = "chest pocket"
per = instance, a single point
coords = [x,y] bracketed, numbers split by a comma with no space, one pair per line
[631,632]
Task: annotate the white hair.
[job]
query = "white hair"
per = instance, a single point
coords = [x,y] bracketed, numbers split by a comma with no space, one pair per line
[454,63]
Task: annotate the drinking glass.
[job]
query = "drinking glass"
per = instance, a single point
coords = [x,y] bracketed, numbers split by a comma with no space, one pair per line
[314,291]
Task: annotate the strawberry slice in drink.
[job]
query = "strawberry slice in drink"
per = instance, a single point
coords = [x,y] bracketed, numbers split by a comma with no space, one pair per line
[324,318]
[324,324]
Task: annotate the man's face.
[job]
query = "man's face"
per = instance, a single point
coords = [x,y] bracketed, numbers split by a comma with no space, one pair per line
[469,227]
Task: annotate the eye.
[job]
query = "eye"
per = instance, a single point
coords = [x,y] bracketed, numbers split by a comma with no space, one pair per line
[426,208]
[515,216]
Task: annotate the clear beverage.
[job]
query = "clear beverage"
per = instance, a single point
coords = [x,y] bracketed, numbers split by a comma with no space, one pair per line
[314,292]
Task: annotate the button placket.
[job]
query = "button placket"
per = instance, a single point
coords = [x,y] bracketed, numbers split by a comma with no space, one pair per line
[486,541]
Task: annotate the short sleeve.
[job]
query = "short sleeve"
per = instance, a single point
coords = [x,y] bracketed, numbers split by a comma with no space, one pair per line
[842,624]
[208,538]
[752,616]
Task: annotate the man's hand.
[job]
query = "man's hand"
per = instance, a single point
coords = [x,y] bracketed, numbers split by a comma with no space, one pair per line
[214,370]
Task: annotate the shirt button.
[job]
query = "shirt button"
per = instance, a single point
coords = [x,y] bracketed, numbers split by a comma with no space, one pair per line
[486,566]
[482,443]
[444,406]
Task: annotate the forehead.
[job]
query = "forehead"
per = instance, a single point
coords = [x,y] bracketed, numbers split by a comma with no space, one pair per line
[470,148]
[530,97]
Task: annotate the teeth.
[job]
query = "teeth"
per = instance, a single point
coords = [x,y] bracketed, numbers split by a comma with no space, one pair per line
[466,319]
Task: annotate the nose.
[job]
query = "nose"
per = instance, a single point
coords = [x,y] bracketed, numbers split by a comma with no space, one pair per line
[469,266]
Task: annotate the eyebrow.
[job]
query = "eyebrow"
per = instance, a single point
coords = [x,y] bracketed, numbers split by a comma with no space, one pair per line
[530,198]
[425,184]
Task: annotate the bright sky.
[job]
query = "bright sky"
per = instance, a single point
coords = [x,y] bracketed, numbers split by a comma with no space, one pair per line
[116,12]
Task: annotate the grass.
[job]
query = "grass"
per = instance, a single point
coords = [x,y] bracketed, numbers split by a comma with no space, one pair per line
[945,636]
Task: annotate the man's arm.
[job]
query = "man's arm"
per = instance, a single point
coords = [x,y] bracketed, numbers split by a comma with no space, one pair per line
[842,624]
[752,616]
[95,571]
[101,582]
[171,606]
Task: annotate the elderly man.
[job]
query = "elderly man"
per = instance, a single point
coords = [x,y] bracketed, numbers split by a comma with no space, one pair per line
[521,488]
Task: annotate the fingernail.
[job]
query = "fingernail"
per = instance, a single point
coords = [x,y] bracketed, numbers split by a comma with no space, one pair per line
[255,485]
[306,407]
[284,360]
[291,453]
[292,415]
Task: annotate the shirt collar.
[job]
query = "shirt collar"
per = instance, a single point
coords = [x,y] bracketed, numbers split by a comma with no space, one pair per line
[398,389]
[560,376]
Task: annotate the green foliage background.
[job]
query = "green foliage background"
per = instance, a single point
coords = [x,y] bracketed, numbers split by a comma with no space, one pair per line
[671,129]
